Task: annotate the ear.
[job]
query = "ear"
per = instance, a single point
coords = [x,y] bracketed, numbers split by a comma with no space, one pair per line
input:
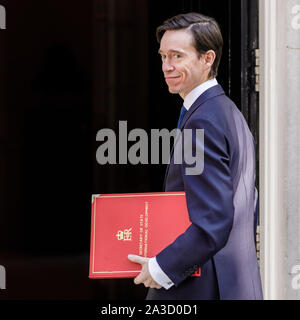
[209,57]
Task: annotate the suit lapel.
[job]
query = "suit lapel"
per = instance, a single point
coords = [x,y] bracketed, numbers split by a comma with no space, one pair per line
[208,94]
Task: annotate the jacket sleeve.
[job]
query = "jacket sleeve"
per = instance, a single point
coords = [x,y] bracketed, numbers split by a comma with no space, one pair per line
[209,197]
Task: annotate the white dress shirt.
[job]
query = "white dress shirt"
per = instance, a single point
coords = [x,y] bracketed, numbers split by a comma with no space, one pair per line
[155,270]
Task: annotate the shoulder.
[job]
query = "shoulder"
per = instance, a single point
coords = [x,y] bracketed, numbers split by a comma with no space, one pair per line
[215,112]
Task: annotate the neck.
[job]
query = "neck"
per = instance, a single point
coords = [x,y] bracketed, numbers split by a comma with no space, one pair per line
[184,94]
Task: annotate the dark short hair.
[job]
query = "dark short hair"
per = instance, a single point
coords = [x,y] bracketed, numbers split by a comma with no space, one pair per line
[205,30]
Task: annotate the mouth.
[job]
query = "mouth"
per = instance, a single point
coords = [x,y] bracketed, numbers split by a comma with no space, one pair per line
[170,79]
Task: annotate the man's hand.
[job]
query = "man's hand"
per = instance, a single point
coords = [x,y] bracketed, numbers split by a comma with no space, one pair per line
[145,276]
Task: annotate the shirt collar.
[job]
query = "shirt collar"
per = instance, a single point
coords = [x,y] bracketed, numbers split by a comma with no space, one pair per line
[196,93]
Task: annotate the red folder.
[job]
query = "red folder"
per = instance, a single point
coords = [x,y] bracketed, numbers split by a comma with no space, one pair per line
[141,224]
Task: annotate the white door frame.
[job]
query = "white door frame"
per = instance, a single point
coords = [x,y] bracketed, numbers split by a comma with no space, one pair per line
[272,146]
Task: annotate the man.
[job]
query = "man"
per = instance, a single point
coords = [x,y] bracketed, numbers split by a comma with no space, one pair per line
[221,200]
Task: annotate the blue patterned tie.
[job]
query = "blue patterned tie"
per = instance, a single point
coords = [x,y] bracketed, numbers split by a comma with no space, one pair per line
[182,114]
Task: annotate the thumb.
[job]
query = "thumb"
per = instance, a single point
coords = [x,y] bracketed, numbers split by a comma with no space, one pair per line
[136,259]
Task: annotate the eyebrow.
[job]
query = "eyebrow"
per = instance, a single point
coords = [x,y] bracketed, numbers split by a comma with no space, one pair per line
[172,50]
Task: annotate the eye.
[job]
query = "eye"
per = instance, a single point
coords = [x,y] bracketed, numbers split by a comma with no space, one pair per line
[177,56]
[163,56]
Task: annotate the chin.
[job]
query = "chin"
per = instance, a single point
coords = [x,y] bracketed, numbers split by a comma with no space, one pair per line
[173,90]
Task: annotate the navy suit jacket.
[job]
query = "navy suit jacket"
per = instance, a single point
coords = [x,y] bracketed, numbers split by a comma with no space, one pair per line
[221,202]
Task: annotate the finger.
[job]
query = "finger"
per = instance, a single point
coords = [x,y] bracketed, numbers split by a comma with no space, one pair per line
[154,284]
[147,283]
[139,279]
[136,259]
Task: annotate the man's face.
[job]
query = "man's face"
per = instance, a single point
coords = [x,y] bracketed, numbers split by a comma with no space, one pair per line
[183,69]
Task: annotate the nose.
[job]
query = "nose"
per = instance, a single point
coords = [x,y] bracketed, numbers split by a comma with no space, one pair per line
[167,67]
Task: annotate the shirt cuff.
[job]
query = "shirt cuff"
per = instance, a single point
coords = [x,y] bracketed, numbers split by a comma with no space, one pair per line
[158,275]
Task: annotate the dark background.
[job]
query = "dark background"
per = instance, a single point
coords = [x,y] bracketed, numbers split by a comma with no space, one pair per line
[68,69]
